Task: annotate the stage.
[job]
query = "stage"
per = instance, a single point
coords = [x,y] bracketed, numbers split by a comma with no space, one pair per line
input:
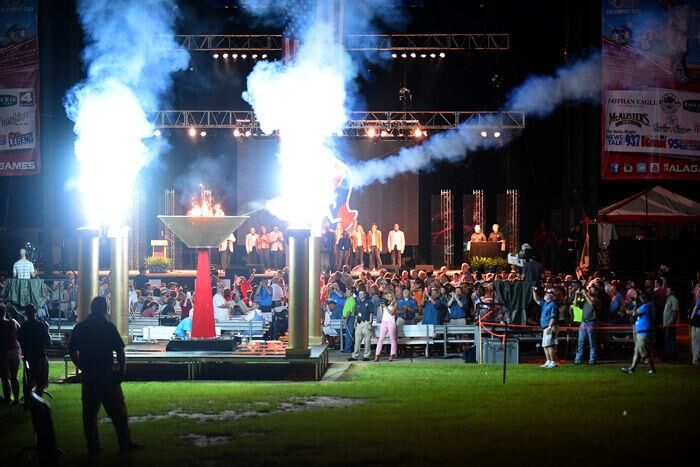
[150,362]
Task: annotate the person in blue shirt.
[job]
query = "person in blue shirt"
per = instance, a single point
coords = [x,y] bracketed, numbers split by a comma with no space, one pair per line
[263,295]
[548,322]
[184,328]
[644,336]
[407,307]
[457,305]
[431,312]
[338,296]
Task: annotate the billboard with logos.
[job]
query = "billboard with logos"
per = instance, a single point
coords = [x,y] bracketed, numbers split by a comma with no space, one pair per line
[19,86]
[651,90]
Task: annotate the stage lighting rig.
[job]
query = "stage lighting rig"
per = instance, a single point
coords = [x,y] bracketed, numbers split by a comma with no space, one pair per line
[236,132]
[483,134]
[157,133]
[192,132]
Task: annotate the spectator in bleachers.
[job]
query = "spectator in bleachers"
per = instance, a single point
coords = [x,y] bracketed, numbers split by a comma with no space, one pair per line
[150,310]
[407,308]
[184,327]
[349,320]
[431,311]
[458,307]
[221,307]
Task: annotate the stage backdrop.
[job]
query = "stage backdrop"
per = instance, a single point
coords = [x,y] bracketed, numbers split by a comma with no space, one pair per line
[651,90]
[393,202]
[19,86]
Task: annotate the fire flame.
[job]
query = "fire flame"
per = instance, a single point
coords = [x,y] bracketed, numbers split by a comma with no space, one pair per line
[206,208]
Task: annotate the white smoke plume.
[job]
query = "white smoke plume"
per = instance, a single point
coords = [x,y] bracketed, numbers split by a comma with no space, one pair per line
[538,97]
[306,99]
[125,75]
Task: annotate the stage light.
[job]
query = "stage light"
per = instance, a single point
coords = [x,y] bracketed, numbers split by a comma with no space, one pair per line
[425,134]
[483,134]
[417,133]
[236,132]
[496,134]
[225,55]
[371,132]
[254,56]
[413,55]
[157,133]
[244,56]
[264,55]
[215,56]
[423,55]
[432,55]
[192,132]
[234,55]
[247,133]
[202,133]
[394,55]
[403,55]
[442,54]
[384,133]
[339,133]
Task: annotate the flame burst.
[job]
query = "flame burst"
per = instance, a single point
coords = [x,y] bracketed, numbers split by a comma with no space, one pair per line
[206,208]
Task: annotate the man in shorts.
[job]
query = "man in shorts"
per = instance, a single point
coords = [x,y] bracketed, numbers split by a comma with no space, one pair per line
[548,321]
[644,336]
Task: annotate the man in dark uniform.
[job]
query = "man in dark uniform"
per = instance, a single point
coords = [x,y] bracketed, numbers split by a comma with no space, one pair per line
[33,337]
[91,345]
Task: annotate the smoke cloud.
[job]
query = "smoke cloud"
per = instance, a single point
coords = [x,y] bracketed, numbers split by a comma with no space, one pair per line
[307,98]
[125,75]
[538,97]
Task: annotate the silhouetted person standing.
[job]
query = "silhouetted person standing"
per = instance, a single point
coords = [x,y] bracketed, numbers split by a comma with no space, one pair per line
[91,346]
[33,337]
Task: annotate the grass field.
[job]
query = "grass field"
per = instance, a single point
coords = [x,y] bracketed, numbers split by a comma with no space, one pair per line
[410,414]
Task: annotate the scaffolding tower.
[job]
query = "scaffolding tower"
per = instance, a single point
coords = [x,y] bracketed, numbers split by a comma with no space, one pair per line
[447,216]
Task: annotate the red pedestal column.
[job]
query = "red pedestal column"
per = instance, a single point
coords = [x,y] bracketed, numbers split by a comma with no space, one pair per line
[203,316]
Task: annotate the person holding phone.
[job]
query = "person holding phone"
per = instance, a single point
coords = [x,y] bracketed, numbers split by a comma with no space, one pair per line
[388,326]
[548,321]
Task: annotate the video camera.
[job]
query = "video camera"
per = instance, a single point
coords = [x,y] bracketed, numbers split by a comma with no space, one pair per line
[525,254]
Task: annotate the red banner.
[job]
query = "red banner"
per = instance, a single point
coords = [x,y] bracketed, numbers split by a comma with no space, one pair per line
[19,88]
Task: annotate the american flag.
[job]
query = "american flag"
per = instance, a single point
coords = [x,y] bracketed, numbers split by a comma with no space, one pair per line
[302,13]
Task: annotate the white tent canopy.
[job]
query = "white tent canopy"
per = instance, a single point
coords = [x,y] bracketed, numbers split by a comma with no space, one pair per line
[653,205]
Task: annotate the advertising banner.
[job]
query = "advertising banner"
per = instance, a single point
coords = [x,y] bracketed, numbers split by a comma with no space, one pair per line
[651,90]
[19,86]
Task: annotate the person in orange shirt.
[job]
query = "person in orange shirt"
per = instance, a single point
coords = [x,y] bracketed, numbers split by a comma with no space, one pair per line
[263,246]
[374,244]
[358,244]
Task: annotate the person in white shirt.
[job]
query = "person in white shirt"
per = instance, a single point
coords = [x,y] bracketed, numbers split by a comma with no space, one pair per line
[276,238]
[396,243]
[277,292]
[221,308]
[251,246]
[226,250]
[23,268]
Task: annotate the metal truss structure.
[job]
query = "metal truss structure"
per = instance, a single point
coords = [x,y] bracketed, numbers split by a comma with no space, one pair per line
[354,42]
[394,123]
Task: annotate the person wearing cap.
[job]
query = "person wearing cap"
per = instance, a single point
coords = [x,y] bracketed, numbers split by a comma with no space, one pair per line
[548,321]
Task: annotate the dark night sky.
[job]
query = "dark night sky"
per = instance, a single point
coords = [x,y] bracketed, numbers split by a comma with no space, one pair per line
[554,162]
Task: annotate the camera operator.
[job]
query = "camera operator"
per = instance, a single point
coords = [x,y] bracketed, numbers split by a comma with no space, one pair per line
[586,330]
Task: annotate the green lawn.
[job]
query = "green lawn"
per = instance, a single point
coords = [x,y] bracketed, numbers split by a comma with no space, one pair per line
[414,414]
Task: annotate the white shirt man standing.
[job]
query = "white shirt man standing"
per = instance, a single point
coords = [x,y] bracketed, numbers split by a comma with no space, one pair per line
[396,243]
[251,241]
[276,238]
[226,250]
[23,268]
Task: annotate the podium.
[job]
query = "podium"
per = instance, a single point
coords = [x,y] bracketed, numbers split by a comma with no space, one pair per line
[484,249]
[159,248]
